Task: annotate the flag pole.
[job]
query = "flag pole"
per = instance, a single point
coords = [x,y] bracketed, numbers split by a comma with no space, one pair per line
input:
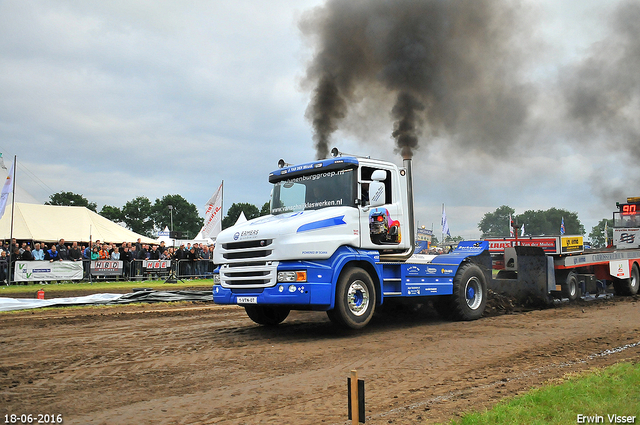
[13,208]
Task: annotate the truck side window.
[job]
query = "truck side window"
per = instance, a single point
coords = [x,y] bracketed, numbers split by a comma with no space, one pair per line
[365,178]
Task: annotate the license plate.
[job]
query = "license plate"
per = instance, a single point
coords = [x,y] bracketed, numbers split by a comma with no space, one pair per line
[247,300]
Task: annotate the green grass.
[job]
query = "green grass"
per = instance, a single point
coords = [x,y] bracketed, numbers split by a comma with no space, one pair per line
[613,390]
[103,286]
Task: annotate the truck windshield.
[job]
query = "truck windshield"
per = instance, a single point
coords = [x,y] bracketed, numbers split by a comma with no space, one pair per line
[314,191]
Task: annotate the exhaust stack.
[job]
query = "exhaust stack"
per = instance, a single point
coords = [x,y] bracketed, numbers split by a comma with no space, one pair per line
[404,256]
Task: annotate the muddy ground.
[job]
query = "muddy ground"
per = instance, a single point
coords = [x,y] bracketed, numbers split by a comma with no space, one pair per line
[198,363]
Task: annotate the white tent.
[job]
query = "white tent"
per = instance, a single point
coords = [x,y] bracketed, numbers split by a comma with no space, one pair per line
[164,236]
[49,223]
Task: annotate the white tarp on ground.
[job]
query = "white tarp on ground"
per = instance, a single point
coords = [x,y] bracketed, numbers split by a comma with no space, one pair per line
[10,304]
[50,223]
[148,296]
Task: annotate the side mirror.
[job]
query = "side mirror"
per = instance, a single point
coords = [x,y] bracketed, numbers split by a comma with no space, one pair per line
[377,194]
[379,175]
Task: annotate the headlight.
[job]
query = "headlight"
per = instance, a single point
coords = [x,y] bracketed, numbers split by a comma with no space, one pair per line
[216,279]
[292,276]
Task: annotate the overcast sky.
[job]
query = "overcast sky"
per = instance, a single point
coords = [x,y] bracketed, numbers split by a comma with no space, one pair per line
[120,99]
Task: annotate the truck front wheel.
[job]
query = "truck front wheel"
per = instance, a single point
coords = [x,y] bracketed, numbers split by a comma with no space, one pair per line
[355,299]
[469,293]
[267,315]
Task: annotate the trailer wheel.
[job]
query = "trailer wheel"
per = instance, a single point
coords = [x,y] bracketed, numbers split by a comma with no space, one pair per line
[355,299]
[569,286]
[469,293]
[628,286]
[267,315]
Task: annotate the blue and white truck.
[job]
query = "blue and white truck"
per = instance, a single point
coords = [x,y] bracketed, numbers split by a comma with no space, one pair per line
[340,239]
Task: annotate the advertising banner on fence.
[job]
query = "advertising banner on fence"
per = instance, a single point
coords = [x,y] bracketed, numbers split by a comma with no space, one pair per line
[106,268]
[34,271]
[156,264]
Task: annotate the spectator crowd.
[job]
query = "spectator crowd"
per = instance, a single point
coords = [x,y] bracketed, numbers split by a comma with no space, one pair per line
[190,261]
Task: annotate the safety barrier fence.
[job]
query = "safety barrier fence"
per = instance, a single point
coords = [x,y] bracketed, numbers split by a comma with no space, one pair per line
[22,272]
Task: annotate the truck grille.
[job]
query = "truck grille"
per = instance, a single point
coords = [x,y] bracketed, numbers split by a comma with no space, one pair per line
[249,275]
[247,250]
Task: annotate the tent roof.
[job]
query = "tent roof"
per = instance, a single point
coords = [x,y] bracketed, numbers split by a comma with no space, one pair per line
[50,223]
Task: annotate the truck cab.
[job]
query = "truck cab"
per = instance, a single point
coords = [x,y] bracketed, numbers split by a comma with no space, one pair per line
[338,239]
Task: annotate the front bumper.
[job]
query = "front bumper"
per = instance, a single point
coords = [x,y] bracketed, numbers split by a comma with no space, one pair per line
[315,293]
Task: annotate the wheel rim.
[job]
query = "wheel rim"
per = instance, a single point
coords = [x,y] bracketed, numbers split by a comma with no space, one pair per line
[358,298]
[473,293]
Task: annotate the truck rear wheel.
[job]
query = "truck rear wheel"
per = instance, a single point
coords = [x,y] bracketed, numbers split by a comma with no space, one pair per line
[267,315]
[569,286]
[628,286]
[469,293]
[355,299]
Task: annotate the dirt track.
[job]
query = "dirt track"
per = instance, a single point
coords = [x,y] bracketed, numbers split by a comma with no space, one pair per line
[207,364]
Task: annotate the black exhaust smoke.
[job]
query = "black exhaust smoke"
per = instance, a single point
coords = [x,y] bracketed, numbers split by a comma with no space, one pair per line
[449,65]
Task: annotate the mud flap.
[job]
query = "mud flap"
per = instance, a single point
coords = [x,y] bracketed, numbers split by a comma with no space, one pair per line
[535,277]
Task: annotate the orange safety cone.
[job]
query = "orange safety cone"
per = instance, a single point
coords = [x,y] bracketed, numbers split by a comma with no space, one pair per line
[41,294]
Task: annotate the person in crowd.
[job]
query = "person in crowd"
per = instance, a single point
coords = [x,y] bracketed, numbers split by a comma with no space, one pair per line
[95,254]
[38,252]
[22,247]
[75,253]
[52,254]
[115,255]
[155,253]
[166,254]
[104,252]
[206,260]
[4,264]
[181,256]
[143,252]
[192,258]
[62,249]
[162,248]
[15,256]
[125,257]
[135,264]
[26,254]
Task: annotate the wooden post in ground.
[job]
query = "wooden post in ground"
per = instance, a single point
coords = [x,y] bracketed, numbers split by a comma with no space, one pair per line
[354,397]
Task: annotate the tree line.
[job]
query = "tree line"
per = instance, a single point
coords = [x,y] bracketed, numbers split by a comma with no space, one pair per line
[541,222]
[142,216]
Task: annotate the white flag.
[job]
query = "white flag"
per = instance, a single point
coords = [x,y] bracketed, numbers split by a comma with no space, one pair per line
[522,231]
[445,225]
[510,226]
[6,190]
[213,215]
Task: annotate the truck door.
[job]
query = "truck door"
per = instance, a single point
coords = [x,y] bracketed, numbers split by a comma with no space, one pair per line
[380,227]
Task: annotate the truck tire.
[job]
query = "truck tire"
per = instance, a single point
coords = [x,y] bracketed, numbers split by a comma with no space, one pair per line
[355,299]
[569,285]
[628,286]
[469,293]
[267,315]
